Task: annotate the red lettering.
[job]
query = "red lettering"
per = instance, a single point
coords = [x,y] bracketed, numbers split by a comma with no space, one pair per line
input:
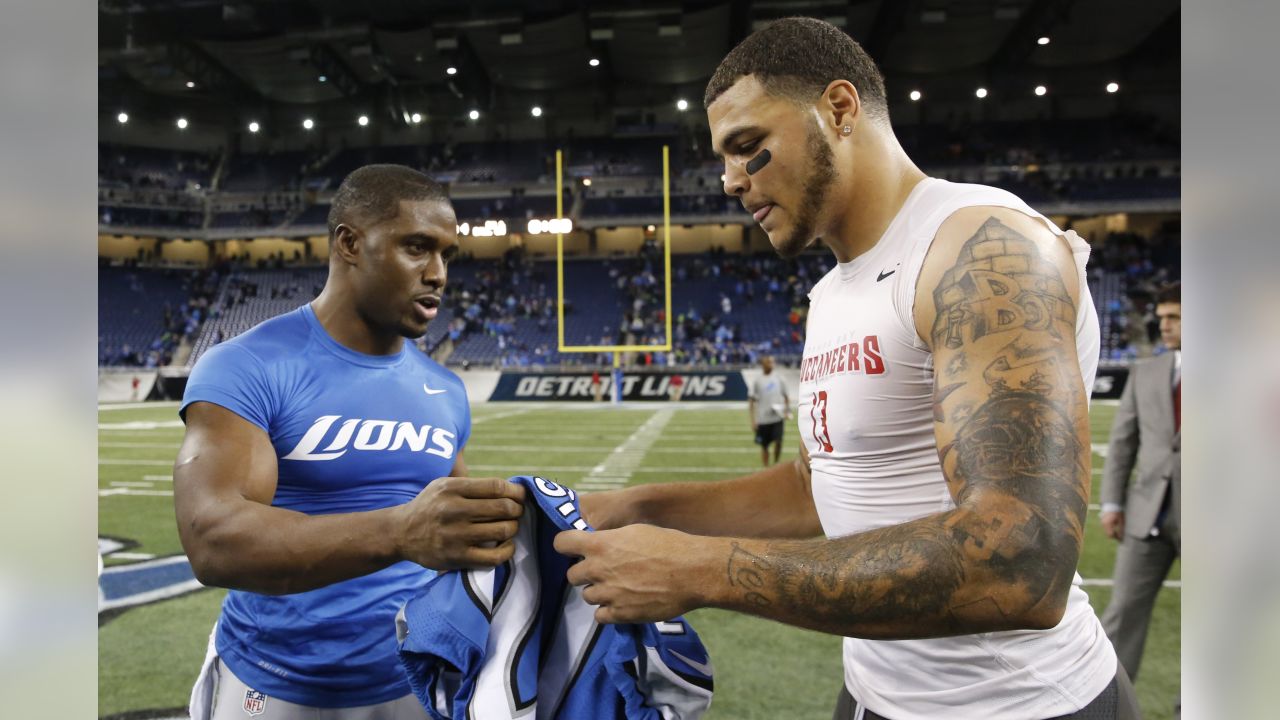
[843,358]
[854,364]
[871,349]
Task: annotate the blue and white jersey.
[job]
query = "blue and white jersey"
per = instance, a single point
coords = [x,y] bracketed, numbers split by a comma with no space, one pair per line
[518,641]
[352,432]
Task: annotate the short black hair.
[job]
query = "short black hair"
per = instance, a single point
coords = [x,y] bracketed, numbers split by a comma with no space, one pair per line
[373,193]
[799,57]
[1171,293]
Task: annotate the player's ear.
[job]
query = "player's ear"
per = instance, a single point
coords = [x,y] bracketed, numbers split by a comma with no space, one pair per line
[840,106]
[346,244]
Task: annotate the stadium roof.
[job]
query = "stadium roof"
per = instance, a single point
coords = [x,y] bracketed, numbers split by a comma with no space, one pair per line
[224,58]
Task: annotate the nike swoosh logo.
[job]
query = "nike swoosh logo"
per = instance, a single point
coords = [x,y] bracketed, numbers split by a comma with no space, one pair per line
[884,275]
[429,391]
[700,667]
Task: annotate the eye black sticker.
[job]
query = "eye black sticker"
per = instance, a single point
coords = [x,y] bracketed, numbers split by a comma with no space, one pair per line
[755,164]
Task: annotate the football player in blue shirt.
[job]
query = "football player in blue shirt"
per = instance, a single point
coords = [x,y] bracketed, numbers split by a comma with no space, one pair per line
[321,477]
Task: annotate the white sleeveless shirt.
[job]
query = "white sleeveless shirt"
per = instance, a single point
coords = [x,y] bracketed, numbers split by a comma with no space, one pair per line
[866,418]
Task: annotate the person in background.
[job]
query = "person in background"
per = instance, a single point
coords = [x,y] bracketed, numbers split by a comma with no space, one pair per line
[1143,510]
[769,406]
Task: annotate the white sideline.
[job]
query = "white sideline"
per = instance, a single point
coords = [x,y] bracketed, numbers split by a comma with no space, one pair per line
[616,469]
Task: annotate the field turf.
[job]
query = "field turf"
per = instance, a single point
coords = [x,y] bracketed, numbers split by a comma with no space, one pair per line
[148,655]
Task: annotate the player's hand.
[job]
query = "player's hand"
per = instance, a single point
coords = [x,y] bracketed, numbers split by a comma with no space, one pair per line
[639,573]
[461,523]
[1113,524]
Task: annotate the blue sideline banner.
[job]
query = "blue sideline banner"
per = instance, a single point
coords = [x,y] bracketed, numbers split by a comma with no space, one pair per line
[642,386]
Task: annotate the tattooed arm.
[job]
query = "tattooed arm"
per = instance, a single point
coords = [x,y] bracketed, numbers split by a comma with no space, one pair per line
[996,302]
[776,502]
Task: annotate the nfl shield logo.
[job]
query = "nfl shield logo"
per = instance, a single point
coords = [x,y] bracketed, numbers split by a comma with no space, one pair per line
[254,702]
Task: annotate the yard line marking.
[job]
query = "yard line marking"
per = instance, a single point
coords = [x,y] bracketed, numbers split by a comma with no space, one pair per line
[1108,582]
[131,491]
[122,461]
[136,405]
[500,416]
[629,454]
[585,469]
[580,449]
[158,478]
[141,425]
[588,487]
[132,556]
[123,483]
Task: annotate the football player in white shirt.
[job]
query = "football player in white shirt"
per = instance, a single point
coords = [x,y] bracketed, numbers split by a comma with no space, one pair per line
[943,412]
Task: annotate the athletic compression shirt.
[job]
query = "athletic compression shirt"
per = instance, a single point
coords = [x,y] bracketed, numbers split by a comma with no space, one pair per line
[352,432]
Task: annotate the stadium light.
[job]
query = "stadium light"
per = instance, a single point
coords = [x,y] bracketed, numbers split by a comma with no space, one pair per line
[308,124]
[586,182]
[981,92]
[254,126]
[650,228]
[416,118]
[474,114]
[122,118]
[594,62]
[490,228]
[556,225]
[682,104]
[536,111]
[323,78]
[915,95]
[1113,87]
[363,120]
[451,70]
[190,84]
[1041,90]
[723,177]
[1044,40]
[182,123]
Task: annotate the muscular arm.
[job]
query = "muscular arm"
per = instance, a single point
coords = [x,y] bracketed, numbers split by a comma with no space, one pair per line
[776,502]
[996,303]
[224,481]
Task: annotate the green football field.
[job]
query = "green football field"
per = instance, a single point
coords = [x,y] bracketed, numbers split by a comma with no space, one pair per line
[148,656]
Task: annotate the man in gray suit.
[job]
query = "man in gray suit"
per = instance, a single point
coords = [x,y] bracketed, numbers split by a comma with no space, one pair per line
[1145,513]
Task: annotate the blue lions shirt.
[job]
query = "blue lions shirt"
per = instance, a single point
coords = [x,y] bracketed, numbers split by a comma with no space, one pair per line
[519,641]
[352,432]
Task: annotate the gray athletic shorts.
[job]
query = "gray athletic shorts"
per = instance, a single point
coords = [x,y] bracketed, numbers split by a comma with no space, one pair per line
[1116,702]
[233,700]
[220,695]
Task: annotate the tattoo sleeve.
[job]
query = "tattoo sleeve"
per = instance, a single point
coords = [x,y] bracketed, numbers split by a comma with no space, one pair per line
[1011,423]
